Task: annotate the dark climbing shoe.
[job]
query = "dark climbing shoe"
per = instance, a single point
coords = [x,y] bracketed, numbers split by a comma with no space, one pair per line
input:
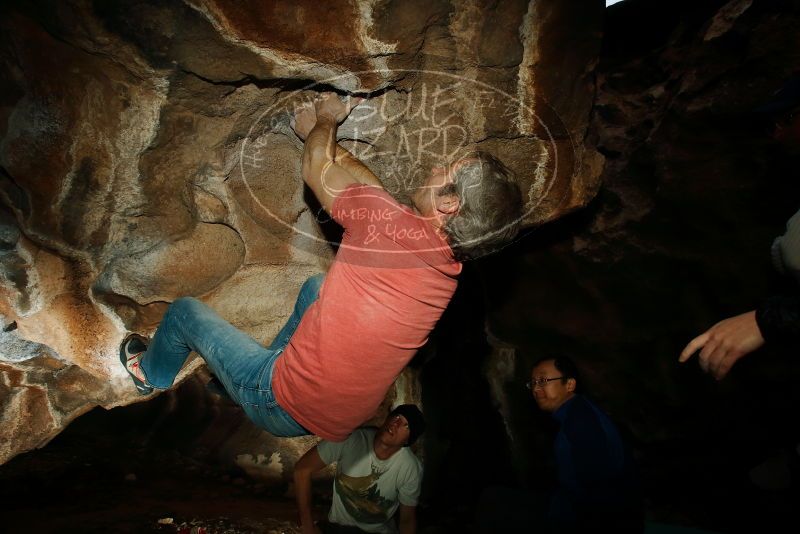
[129,352]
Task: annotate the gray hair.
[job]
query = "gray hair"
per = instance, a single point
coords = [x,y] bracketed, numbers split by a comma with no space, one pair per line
[490,207]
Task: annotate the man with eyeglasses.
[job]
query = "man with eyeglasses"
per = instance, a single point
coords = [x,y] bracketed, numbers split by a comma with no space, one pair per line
[597,486]
[376,475]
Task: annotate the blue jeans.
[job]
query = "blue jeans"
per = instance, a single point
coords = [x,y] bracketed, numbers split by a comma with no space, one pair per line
[242,364]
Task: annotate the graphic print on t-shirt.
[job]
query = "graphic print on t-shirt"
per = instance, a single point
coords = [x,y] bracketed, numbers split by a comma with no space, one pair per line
[361,497]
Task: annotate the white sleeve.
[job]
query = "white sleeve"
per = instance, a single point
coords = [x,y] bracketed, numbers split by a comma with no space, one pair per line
[331,451]
[410,484]
[786,249]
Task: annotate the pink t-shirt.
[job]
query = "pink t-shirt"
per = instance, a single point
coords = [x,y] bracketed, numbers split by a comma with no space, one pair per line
[392,278]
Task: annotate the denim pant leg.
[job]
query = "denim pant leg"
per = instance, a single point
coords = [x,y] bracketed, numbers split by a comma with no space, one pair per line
[309,292]
[243,366]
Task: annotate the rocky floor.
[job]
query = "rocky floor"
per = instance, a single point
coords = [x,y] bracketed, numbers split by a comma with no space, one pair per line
[96,477]
[63,489]
[109,472]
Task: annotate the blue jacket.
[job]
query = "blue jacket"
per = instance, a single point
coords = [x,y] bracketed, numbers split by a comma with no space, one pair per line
[596,474]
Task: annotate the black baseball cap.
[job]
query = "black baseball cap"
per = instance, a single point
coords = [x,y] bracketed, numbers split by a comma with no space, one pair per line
[416,421]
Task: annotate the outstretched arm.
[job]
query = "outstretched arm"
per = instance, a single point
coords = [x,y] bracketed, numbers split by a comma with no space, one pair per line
[304,120]
[328,168]
[408,519]
[307,465]
[725,343]
[356,167]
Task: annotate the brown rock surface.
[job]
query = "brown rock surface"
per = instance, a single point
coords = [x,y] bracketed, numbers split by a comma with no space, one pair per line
[146,155]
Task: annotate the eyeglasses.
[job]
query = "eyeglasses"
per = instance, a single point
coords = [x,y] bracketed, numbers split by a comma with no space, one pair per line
[540,382]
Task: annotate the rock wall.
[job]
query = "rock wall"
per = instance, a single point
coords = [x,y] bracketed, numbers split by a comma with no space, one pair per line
[145,154]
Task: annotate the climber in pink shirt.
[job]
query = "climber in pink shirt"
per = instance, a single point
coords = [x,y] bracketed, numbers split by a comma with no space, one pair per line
[354,329]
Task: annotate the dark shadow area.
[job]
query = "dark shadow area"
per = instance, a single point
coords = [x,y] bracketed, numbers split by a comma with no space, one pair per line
[466,445]
[123,470]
